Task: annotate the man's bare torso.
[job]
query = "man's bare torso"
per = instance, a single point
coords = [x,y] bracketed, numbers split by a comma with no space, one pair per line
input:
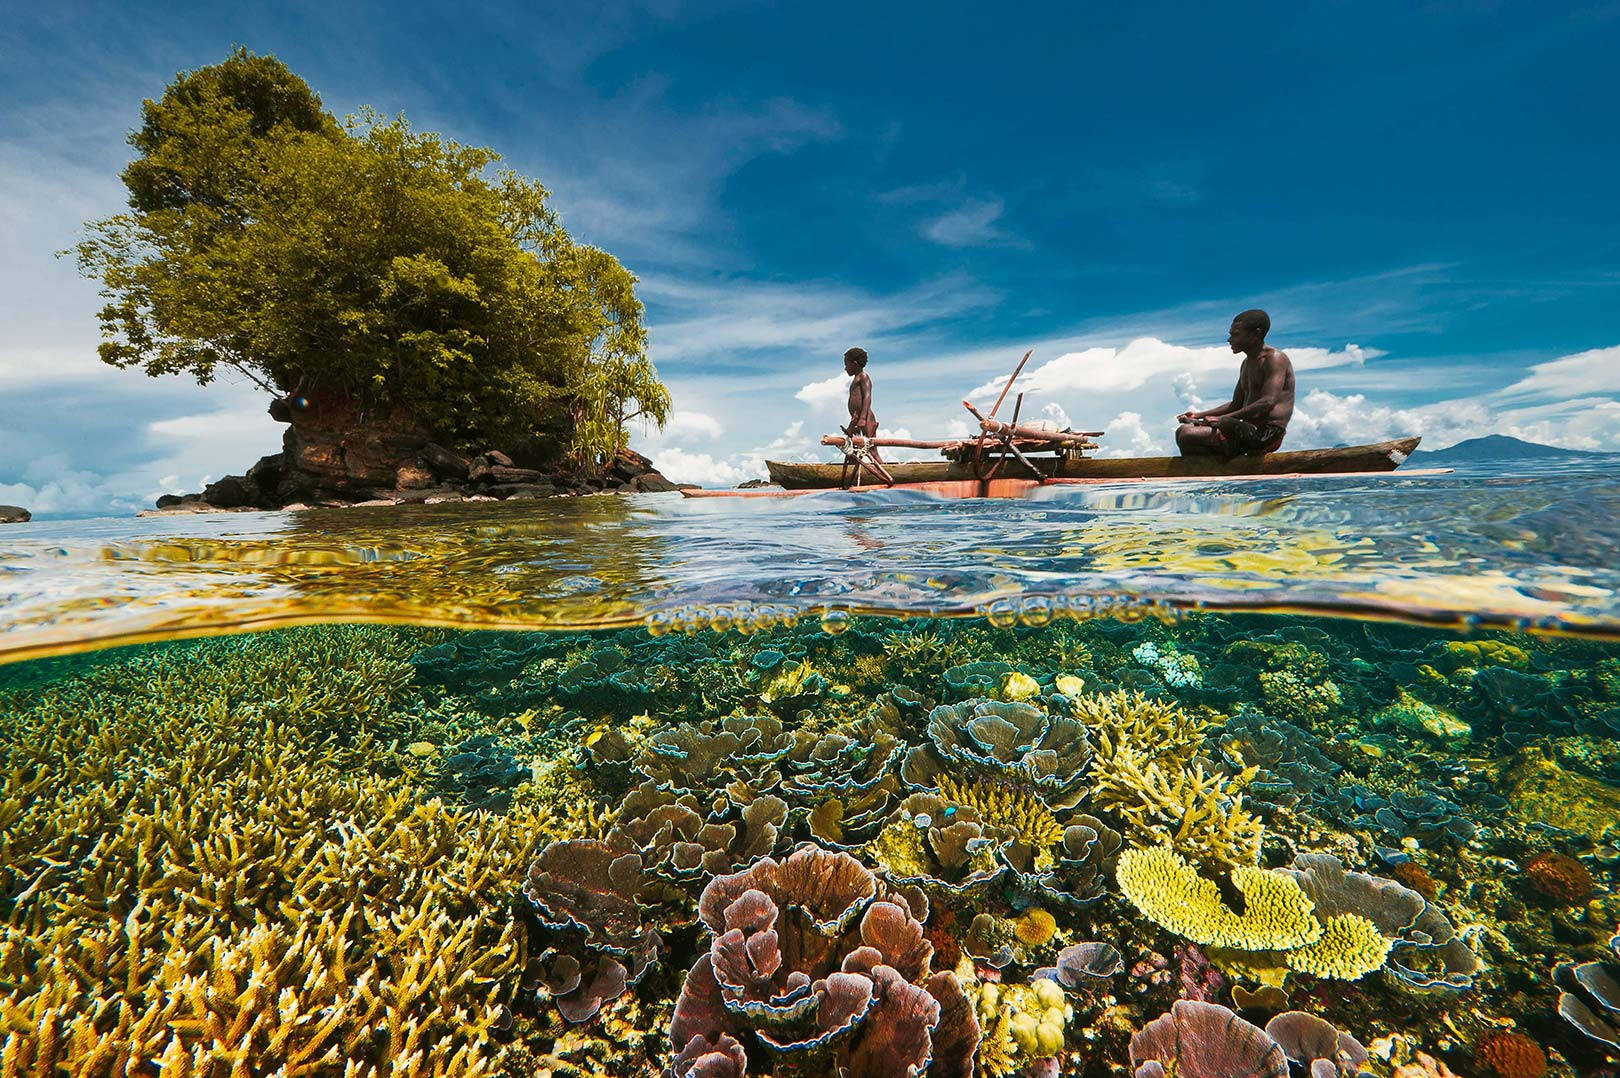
[1252,381]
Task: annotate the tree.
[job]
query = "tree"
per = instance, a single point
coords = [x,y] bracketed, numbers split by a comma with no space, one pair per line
[393,271]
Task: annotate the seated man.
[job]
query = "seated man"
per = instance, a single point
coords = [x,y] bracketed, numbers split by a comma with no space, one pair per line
[1257,416]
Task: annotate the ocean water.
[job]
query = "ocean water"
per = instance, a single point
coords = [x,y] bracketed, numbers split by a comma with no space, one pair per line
[1216,775]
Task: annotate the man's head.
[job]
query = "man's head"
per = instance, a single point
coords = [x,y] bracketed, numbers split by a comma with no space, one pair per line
[1249,331]
[855,361]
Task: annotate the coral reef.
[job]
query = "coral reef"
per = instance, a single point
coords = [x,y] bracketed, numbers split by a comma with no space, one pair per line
[1276,914]
[1148,771]
[806,955]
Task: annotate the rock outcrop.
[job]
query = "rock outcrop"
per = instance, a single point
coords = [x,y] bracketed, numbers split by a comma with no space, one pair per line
[332,456]
[16,514]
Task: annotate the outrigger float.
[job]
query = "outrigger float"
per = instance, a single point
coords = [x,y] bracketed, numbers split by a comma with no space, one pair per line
[1009,460]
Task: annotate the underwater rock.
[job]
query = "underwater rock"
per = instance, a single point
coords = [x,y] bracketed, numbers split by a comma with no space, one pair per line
[1540,791]
[1558,878]
[1205,1040]
[1012,740]
[1410,715]
[1589,997]
[808,956]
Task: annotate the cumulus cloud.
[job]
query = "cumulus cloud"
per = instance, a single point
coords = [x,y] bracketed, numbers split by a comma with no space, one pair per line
[1126,436]
[1150,360]
[827,395]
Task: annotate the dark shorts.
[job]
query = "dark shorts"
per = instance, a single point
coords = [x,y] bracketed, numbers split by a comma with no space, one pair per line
[1243,438]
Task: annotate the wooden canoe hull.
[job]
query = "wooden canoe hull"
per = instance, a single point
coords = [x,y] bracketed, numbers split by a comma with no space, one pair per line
[1377,457]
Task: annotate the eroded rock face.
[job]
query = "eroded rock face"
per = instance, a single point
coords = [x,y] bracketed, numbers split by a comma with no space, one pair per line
[333,456]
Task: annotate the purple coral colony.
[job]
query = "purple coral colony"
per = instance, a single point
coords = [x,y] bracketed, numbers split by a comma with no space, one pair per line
[1213,847]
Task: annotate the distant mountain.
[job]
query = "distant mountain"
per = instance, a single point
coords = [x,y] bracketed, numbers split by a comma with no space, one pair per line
[1500,447]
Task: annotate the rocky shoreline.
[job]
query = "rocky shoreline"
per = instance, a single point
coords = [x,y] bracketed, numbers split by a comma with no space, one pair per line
[332,458]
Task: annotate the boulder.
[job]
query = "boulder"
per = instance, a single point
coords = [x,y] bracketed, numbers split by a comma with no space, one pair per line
[500,473]
[521,491]
[652,482]
[444,464]
[752,484]
[412,477]
[266,475]
[232,492]
[14,514]
[497,458]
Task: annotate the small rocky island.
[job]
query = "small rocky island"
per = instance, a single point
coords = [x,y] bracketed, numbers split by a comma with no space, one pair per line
[329,458]
[14,514]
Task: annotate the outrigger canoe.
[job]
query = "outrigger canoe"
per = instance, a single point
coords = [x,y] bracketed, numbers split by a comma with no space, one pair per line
[1376,457]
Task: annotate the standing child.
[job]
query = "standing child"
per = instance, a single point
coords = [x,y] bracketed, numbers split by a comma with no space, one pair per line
[861,419]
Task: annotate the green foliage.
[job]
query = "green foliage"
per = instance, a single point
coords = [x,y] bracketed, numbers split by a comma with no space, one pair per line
[386,270]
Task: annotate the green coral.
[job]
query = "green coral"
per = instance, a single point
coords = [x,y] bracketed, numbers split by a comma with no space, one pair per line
[1410,715]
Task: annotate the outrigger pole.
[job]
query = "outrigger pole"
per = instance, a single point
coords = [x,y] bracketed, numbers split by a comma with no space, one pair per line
[995,439]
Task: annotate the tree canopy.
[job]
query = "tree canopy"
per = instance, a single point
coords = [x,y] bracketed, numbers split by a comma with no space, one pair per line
[364,262]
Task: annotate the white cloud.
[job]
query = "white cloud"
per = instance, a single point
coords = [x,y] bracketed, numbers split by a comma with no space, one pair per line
[684,423]
[705,469]
[1125,436]
[1584,374]
[826,395]
[1150,360]
[970,225]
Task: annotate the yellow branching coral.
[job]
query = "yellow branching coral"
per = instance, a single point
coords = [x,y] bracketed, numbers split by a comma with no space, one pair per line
[1277,915]
[1146,770]
[1010,809]
[1350,948]
[227,884]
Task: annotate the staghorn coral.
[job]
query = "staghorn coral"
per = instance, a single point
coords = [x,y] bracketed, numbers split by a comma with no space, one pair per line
[1146,771]
[1169,892]
[808,955]
[1008,741]
[223,881]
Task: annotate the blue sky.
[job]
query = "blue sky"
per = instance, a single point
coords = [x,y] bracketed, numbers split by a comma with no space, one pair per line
[1421,195]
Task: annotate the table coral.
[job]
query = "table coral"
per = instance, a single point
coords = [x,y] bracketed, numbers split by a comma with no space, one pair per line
[1168,891]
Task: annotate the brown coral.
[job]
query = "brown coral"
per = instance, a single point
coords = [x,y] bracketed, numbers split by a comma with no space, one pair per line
[1558,878]
[1505,1053]
[1415,876]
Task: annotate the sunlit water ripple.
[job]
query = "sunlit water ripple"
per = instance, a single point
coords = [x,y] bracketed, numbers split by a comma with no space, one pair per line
[1536,550]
